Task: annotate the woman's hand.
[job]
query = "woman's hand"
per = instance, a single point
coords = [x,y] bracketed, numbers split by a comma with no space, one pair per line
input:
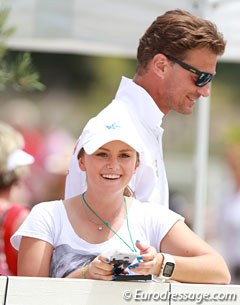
[151,261]
[100,269]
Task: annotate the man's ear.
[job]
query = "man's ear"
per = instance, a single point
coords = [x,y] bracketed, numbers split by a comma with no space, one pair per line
[159,64]
[81,164]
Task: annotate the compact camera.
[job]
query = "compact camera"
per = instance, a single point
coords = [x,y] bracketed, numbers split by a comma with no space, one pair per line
[121,260]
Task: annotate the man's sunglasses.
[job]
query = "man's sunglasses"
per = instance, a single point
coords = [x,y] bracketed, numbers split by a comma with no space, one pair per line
[203,77]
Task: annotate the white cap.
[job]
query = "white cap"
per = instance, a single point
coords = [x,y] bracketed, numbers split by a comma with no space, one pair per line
[18,158]
[98,132]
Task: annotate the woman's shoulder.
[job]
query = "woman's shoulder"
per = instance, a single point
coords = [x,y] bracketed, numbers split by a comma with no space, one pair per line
[48,207]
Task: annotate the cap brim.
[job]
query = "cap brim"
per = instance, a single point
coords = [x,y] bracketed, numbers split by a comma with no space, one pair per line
[93,146]
[19,158]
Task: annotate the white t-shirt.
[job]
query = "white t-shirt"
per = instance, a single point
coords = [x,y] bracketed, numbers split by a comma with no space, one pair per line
[48,221]
[150,181]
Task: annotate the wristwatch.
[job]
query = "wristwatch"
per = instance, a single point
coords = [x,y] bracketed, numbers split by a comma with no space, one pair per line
[168,266]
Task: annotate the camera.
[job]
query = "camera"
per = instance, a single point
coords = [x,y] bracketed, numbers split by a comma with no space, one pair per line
[121,260]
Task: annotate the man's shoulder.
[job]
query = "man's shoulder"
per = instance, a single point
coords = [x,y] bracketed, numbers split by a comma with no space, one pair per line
[115,107]
[117,110]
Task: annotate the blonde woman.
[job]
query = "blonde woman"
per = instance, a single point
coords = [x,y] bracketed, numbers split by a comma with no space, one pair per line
[75,238]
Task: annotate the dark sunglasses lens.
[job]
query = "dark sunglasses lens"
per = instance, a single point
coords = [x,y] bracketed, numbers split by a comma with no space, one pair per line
[204,79]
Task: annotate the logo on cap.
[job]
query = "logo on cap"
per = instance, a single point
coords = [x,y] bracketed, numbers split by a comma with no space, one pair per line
[113,126]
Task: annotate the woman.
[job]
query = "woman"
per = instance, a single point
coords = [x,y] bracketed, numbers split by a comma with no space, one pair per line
[13,166]
[75,238]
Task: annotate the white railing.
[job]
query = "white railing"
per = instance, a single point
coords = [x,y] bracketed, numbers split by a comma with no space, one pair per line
[48,291]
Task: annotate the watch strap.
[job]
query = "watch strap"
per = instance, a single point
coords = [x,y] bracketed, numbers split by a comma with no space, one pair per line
[167,267]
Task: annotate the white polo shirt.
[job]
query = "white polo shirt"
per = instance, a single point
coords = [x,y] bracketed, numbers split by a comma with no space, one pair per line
[150,181]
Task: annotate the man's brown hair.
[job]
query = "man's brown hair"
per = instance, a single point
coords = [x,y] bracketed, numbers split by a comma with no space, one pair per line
[175,33]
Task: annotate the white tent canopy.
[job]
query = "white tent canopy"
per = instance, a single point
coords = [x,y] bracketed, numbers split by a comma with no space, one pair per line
[113,27]
[108,27]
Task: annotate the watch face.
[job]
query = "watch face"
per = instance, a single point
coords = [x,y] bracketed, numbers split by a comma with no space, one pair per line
[168,269]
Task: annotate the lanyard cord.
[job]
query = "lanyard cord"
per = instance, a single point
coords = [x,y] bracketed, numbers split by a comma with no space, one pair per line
[133,249]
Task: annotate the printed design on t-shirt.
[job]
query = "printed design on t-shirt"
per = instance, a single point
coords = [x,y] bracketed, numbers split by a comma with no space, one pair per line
[66,259]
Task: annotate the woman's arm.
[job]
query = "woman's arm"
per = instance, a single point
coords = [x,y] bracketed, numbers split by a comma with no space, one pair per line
[34,257]
[196,261]
[99,269]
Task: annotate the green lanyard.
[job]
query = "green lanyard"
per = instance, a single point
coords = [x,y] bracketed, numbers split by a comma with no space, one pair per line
[133,249]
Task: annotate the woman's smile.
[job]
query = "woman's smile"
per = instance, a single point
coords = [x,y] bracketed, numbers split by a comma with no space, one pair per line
[111,176]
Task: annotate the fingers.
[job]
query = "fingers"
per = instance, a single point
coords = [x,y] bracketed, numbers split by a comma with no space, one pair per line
[148,260]
[145,267]
[148,263]
[143,247]
[147,252]
[100,269]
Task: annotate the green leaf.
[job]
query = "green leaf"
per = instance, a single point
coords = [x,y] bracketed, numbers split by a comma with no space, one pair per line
[16,72]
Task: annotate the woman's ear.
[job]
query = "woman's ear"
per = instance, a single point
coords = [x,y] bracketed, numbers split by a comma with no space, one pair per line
[137,162]
[81,164]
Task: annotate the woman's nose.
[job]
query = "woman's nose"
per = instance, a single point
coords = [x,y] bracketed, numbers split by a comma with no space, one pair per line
[112,164]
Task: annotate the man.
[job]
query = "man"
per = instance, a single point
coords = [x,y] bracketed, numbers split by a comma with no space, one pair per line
[177,59]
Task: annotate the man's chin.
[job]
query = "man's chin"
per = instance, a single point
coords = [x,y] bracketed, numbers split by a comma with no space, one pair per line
[186,111]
